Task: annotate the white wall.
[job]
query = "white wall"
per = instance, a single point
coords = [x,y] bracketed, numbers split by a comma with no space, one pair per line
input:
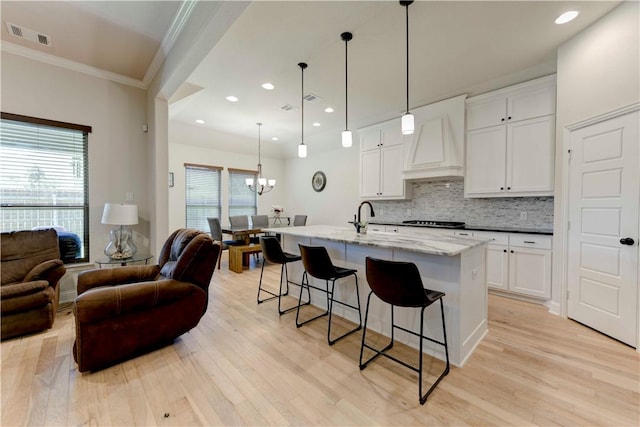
[117,146]
[598,71]
[192,144]
[339,200]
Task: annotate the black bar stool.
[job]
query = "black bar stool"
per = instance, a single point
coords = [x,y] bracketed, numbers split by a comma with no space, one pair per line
[399,284]
[317,263]
[272,252]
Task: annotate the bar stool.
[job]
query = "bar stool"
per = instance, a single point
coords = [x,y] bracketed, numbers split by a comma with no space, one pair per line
[399,284]
[317,263]
[272,252]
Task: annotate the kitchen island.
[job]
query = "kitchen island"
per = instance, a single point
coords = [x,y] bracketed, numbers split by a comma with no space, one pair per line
[451,264]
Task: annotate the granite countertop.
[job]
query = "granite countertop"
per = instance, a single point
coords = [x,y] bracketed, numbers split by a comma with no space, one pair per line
[501,229]
[435,243]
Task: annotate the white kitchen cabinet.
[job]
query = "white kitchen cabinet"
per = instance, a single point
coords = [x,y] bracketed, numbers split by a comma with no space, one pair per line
[519,263]
[381,162]
[535,98]
[516,156]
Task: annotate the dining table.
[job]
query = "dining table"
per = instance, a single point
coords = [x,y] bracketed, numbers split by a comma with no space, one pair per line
[241,233]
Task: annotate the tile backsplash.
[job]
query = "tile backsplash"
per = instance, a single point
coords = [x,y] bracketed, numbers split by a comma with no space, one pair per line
[434,200]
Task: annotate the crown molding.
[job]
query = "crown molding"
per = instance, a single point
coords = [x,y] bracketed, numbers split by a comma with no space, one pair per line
[186,9]
[69,65]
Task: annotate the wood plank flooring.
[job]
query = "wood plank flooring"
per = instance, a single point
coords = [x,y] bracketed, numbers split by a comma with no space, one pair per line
[245,365]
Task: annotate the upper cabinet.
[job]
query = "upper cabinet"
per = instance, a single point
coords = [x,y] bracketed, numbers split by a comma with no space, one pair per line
[510,145]
[436,147]
[381,162]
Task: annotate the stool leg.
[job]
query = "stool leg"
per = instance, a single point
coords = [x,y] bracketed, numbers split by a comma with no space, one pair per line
[283,271]
[331,300]
[364,332]
[423,398]
[305,281]
[260,287]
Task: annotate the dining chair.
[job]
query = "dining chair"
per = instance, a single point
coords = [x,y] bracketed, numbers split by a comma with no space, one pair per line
[299,220]
[239,221]
[216,234]
[399,284]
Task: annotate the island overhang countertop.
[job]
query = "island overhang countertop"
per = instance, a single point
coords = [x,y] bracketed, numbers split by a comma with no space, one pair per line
[434,243]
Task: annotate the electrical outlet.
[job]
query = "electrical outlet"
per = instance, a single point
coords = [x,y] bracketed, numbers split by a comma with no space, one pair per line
[129,196]
[523,216]
[409,212]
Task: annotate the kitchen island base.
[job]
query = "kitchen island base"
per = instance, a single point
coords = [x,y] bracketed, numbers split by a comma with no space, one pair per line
[461,277]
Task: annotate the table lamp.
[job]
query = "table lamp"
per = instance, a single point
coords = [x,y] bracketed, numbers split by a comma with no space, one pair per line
[121,237]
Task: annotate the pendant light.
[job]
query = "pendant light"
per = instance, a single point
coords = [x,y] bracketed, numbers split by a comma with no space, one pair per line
[347,137]
[407,118]
[263,185]
[302,149]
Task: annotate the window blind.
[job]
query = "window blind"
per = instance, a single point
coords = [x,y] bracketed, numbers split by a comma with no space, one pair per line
[44,180]
[242,201]
[202,195]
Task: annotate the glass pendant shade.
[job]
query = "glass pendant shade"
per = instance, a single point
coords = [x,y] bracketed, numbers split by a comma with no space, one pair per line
[272,182]
[347,138]
[302,151]
[249,182]
[262,181]
[407,124]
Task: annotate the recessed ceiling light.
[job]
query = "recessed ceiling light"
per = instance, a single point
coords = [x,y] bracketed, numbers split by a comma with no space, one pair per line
[232,98]
[268,86]
[275,138]
[567,16]
[199,121]
[316,124]
[328,110]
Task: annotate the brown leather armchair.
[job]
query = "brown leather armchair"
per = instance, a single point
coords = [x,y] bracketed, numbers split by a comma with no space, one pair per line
[31,270]
[123,312]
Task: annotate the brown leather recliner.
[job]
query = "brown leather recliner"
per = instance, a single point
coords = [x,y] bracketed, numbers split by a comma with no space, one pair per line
[123,312]
[31,270]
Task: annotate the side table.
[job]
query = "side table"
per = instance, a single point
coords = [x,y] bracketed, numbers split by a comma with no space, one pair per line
[125,261]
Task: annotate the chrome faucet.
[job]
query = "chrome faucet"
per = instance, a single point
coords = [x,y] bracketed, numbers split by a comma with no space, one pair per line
[356,221]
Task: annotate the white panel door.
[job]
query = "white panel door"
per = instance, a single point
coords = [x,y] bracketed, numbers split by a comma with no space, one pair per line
[391,163]
[370,173]
[603,212]
[486,161]
[530,156]
[497,267]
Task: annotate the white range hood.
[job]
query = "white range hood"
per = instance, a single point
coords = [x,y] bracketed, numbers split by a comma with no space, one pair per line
[436,148]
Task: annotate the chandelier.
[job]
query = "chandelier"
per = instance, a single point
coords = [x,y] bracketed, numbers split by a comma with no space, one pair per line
[263,185]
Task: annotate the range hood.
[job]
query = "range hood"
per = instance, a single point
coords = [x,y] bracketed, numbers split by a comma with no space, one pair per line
[436,148]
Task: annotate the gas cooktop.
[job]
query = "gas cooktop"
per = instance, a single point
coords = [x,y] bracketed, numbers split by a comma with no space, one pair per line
[441,224]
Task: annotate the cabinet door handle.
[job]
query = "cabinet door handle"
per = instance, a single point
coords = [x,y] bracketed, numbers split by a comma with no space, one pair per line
[529,241]
[502,119]
[509,118]
[504,250]
[501,188]
[508,188]
[512,251]
[627,241]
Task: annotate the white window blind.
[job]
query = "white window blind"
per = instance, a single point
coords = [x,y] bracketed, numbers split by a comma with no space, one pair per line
[44,180]
[202,195]
[242,201]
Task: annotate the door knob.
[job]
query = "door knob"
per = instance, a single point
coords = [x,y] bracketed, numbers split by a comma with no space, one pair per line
[627,241]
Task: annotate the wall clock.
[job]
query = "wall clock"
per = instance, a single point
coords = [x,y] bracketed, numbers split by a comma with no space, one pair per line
[319,181]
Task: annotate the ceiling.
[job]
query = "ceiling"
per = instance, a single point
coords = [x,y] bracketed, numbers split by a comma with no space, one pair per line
[455,48]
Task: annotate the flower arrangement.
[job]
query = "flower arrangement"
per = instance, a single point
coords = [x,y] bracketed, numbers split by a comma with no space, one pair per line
[276,210]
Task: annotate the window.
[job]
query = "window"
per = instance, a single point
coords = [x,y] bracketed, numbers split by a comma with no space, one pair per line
[44,180]
[242,201]
[202,195]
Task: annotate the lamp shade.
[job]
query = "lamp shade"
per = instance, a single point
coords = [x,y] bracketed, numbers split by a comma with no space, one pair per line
[347,138]
[120,214]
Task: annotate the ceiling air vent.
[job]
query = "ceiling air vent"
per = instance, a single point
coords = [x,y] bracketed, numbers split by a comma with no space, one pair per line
[288,107]
[27,34]
[310,97]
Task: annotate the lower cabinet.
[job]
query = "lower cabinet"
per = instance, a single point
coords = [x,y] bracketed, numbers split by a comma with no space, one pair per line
[519,263]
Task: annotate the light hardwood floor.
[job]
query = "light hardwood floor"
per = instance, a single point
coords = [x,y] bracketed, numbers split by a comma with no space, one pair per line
[245,365]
